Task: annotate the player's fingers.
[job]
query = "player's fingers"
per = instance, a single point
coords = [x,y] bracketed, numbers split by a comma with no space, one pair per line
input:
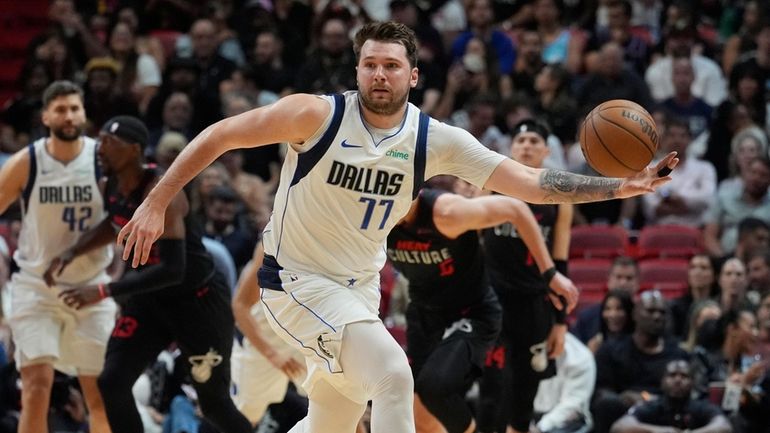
[556,301]
[138,251]
[130,241]
[125,232]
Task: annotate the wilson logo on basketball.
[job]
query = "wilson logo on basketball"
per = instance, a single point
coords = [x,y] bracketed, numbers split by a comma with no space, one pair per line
[647,129]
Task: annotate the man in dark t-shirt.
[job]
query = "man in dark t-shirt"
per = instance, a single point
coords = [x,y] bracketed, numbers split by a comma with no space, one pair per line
[674,408]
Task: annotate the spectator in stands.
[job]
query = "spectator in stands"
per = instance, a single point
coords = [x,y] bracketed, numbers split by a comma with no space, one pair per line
[758,264]
[709,84]
[474,74]
[269,70]
[560,43]
[52,50]
[516,109]
[555,103]
[692,188]
[409,13]
[331,66]
[744,40]
[675,409]
[212,66]
[253,191]
[728,355]
[753,235]
[763,322]
[624,275]
[139,77]
[617,321]
[431,54]
[68,22]
[612,80]
[478,118]
[213,176]
[562,401]
[746,145]
[720,233]
[700,313]
[481,26]
[529,62]
[685,105]
[729,119]
[102,98]
[759,59]
[629,370]
[23,112]
[636,51]
[169,146]
[178,113]
[224,225]
[747,88]
[733,285]
[701,285]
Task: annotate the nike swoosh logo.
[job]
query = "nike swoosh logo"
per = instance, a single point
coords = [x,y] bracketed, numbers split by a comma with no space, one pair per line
[346,144]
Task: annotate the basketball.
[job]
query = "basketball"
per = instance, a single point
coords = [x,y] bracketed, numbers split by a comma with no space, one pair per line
[618,138]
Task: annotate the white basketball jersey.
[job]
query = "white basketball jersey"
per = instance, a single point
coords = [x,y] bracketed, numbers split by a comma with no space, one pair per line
[343,190]
[61,202]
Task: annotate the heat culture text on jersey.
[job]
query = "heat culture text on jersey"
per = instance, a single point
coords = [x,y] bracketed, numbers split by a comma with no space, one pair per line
[418,253]
[366,180]
[65,194]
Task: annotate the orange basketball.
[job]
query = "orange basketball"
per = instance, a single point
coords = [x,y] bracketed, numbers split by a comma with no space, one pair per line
[618,138]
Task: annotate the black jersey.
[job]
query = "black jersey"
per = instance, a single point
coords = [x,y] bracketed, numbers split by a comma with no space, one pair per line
[443,273]
[510,265]
[199,266]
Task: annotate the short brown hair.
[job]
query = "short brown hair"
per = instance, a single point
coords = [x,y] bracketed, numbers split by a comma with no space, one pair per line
[61,88]
[388,31]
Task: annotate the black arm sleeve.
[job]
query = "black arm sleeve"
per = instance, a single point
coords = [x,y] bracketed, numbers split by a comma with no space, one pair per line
[169,270]
[560,315]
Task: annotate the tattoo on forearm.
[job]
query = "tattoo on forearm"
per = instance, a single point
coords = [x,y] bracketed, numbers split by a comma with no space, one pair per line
[561,186]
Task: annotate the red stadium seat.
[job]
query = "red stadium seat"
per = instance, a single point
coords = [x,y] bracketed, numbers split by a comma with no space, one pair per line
[593,241]
[590,276]
[669,241]
[667,275]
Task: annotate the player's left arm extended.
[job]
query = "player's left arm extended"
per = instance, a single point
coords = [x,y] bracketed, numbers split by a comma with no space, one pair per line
[171,266]
[537,185]
[455,214]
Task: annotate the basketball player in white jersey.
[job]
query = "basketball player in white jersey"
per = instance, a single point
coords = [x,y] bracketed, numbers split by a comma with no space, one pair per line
[355,163]
[263,364]
[56,179]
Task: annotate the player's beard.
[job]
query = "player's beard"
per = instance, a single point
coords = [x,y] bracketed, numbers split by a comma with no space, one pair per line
[384,107]
[63,135]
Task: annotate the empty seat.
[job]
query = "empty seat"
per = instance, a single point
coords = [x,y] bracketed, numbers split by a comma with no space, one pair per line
[594,241]
[669,241]
[667,275]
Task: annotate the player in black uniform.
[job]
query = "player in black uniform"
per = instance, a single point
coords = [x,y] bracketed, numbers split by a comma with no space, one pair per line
[453,317]
[176,296]
[533,327]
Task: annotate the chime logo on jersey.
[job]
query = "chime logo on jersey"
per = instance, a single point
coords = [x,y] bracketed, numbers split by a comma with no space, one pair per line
[65,194]
[367,180]
[202,365]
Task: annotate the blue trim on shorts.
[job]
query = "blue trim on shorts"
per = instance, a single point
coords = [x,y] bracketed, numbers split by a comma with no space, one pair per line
[420,151]
[314,313]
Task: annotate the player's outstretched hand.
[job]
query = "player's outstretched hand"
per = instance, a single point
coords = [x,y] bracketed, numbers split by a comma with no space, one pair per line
[80,297]
[144,228]
[649,179]
[563,290]
[56,268]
